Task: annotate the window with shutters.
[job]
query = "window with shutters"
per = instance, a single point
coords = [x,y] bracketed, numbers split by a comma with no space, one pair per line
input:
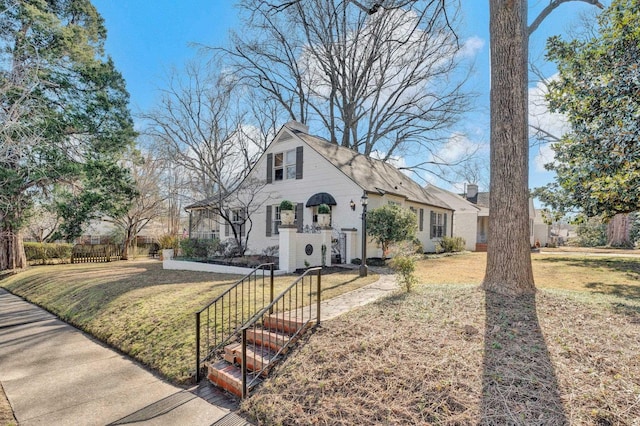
[438,225]
[237,220]
[284,165]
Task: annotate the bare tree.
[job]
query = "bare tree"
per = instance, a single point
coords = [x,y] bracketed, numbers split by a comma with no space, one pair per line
[235,211]
[148,203]
[198,128]
[378,80]
[210,141]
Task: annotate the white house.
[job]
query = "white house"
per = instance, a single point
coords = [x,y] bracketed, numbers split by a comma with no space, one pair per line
[538,230]
[541,231]
[308,171]
[466,216]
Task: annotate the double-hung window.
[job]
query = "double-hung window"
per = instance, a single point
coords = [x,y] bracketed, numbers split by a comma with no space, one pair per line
[284,165]
[438,225]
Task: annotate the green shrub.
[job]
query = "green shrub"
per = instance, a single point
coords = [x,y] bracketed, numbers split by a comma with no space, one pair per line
[324,209]
[404,263]
[591,233]
[199,249]
[391,224]
[46,252]
[450,245]
[286,205]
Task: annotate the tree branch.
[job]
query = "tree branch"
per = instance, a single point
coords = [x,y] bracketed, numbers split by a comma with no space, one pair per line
[553,4]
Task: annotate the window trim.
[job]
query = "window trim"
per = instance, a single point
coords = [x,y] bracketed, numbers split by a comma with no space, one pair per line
[288,170]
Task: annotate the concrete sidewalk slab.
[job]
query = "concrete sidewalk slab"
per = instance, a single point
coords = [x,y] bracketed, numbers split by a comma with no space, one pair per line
[54,374]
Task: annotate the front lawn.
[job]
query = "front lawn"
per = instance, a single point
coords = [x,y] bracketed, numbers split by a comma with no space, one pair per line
[593,274]
[139,308]
[449,354]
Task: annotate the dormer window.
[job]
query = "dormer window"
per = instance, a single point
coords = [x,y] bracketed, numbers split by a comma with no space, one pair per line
[284,165]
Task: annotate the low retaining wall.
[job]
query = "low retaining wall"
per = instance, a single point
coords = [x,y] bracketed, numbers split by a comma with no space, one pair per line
[183,265]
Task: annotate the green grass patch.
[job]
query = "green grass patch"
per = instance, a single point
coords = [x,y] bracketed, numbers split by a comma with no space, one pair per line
[139,308]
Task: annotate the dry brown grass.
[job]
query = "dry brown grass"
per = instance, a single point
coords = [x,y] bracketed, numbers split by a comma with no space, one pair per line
[451,355]
[597,273]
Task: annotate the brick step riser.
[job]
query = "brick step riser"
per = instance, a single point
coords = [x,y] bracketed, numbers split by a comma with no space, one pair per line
[252,364]
[270,339]
[284,325]
[222,383]
[225,376]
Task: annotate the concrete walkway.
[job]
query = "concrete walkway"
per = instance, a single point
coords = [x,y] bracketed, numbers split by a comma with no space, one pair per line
[386,285]
[53,374]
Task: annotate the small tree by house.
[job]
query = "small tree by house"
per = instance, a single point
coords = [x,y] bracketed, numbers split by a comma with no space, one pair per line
[389,224]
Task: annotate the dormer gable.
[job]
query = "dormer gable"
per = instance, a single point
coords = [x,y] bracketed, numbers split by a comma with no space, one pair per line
[286,164]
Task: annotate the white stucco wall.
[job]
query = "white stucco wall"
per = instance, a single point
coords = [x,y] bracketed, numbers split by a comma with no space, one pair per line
[465,225]
[318,175]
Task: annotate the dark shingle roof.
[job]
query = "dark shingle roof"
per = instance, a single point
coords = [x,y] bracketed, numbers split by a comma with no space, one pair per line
[371,174]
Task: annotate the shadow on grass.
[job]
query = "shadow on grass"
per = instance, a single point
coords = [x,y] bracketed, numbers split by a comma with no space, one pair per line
[625,291]
[630,266]
[80,292]
[519,380]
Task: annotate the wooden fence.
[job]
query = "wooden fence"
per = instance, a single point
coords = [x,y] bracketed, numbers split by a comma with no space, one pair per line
[94,254]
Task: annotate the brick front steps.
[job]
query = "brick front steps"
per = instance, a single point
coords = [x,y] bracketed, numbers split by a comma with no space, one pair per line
[262,346]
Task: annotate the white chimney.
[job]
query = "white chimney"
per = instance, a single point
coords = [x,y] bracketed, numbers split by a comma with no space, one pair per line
[472,191]
[295,125]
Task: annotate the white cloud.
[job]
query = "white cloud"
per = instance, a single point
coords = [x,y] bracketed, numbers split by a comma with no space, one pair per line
[471,47]
[544,156]
[539,115]
[455,149]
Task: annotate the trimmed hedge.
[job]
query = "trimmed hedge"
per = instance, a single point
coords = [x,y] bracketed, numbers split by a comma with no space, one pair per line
[46,252]
[199,249]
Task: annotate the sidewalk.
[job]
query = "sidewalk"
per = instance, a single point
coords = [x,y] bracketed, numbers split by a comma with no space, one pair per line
[53,374]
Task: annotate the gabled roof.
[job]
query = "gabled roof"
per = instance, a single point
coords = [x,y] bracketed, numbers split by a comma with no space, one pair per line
[372,175]
[456,201]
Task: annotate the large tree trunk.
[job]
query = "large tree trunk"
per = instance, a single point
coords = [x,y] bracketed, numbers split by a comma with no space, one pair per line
[508,253]
[618,231]
[11,250]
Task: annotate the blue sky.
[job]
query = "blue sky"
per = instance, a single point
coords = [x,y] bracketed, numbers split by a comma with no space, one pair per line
[146,39]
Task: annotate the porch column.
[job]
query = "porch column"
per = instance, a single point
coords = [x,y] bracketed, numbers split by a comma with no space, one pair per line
[287,247]
[351,244]
[325,233]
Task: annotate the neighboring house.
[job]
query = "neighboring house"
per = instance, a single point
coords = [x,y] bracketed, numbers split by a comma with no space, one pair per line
[481,201]
[541,230]
[309,171]
[465,217]
[538,230]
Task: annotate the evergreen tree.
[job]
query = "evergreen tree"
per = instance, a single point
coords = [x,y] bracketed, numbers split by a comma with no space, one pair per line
[64,117]
[598,89]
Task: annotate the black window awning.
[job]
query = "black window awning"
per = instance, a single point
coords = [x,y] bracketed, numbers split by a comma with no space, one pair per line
[321,198]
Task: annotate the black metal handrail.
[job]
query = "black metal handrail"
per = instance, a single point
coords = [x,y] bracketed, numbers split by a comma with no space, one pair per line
[289,313]
[228,312]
